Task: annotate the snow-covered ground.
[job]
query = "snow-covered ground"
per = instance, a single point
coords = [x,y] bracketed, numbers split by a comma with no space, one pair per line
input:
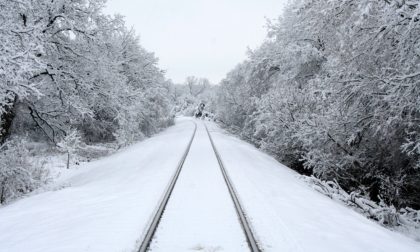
[287,215]
[107,204]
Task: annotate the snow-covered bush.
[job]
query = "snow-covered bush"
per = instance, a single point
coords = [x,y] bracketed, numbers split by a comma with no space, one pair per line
[18,176]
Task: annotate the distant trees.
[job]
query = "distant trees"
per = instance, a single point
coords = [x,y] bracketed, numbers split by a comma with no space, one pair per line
[196,86]
[66,67]
[187,97]
[335,91]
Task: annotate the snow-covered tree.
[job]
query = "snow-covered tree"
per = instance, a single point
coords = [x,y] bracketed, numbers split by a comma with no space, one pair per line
[66,66]
[77,68]
[335,91]
[70,144]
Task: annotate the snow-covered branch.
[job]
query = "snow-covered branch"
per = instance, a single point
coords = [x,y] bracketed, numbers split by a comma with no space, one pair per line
[404,218]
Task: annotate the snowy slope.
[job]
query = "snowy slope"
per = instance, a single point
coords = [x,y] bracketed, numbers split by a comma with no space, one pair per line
[106,208]
[289,216]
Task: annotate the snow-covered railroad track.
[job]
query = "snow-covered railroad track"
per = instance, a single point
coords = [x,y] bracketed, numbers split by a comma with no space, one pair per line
[181,221]
[162,205]
[250,237]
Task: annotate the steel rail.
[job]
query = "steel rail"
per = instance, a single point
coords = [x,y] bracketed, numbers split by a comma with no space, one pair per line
[252,243]
[162,205]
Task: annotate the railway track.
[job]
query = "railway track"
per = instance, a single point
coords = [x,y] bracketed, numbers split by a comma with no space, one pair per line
[162,205]
[250,238]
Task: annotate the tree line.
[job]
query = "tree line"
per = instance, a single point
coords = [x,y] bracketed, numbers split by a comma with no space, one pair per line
[71,74]
[334,92]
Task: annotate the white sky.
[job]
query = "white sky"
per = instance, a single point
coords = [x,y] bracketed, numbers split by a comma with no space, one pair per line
[204,38]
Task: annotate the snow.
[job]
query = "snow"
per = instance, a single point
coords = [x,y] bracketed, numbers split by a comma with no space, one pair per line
[106,205]
[105,208]
[200,214]
[287,215]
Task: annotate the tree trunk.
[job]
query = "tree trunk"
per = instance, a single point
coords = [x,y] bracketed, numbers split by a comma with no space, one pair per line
[68,160]
[6,120]
[2,196]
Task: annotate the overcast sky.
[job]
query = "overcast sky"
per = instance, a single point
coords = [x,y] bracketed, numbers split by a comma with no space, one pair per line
[204,38]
